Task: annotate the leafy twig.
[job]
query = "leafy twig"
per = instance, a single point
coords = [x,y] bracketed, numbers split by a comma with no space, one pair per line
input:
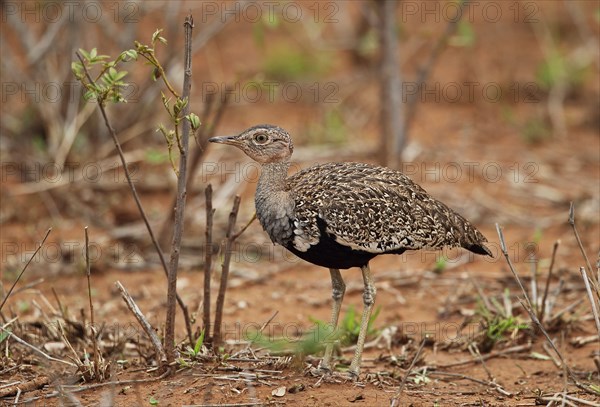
[135,195]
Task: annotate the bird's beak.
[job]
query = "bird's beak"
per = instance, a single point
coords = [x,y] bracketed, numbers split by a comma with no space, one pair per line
[233,140]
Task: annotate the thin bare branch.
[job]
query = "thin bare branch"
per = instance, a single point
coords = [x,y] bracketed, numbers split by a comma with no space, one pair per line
[24,268]
[181,196]
[207,260]
[36,350]
[396,397]
[227,243]
[93,325]
[425,70]
[390,86]
[246,226]
[547,288]
[591,297]
[160,353]
[262,328]
[514,349]
[79,388]
[583,253]
[511,267]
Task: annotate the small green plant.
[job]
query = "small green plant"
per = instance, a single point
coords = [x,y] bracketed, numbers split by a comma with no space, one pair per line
[153,401]
[332,130]
[440,264]
[560,68]
[315,340]
[350,326]
[311,343]
[287,63]
[194,352]
[498,321]
[535,130]
[465,35]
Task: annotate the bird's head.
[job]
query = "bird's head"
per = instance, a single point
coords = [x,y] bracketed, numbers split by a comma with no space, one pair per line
[264,143]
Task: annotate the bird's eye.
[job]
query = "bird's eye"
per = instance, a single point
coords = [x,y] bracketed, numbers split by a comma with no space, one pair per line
[261,138]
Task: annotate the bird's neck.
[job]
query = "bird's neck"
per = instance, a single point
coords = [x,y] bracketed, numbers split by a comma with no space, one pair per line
[274,204]
[273,176]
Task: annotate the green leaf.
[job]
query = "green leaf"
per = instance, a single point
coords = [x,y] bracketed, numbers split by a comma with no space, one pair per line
[194,120]
[77,69]
[120,75]
[89,95]
[129,55]
[440,264]
[165,101]
[156,37]
[4,334]
[180,104]
[94,53]
[85,54]
[465,35]
[153,401]
[199,342]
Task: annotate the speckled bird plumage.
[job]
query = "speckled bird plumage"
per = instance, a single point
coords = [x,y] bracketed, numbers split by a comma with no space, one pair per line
[341,215]
[365,208]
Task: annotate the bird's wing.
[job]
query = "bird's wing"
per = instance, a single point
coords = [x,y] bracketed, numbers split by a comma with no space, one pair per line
[377,210]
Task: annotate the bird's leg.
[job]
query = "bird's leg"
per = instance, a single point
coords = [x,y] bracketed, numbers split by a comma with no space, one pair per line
[338,290]
[368,301]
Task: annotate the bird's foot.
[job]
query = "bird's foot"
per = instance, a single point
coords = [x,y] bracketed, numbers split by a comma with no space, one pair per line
[327,375]
[320,371]
[352,375]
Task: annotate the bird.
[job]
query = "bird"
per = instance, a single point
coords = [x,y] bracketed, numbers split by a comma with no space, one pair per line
[341,215]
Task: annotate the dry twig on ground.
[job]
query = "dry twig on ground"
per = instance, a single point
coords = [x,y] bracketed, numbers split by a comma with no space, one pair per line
[158,348]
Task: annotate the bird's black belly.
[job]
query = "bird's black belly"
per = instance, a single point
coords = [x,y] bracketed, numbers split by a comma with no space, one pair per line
[329,253]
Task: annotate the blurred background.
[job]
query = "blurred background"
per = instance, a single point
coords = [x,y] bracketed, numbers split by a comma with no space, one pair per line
[492,106]
[495,102]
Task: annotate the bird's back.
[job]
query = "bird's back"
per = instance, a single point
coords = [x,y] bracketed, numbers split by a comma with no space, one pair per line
[373,210]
